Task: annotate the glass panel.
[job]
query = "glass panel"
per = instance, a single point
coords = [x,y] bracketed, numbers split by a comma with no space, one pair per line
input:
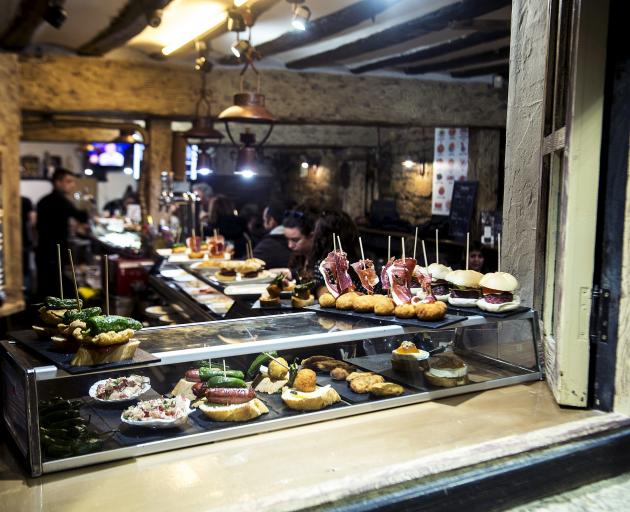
[212,334]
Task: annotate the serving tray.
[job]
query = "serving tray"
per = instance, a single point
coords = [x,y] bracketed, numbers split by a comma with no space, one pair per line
[447,320]
[458,310]
[62,360]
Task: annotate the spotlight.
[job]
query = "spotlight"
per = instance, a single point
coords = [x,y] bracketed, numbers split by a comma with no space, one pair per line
[88,172]
[301,15]
[304,165]
[204,164]
[55,14]
[246,173]
[408,164]
[240,47]
[236,21]
[128,171]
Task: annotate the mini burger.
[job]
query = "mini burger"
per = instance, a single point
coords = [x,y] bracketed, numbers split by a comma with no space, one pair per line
[447,371]
[498,292]
[226,273]
[465,289]
[439,285]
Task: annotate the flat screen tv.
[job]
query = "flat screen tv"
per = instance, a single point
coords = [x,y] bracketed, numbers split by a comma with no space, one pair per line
[109,155]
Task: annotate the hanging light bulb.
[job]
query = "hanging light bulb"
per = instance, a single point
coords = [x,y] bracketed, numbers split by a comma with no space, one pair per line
[247,157]
[301,15]
[240,47]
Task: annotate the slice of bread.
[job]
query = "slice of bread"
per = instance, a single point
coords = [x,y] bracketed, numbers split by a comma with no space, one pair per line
[235,412]
[312,401]
[88,356]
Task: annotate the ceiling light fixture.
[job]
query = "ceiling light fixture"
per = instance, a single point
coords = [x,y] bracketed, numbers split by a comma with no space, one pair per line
[240,47]
[301,14]
[55,14]
[126,137]
[198,23]
[408,163]
[88,172]
[247,157]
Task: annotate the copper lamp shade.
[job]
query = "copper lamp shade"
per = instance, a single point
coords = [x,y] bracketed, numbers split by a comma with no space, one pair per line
[203,129]
[249,107]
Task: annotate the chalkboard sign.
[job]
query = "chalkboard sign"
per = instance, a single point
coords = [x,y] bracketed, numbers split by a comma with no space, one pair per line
[462,208]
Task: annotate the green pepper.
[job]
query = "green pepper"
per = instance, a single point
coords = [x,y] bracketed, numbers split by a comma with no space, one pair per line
[74,314]
[99,324]
[206,373]
[89,445]
[260,360]
[70,433]
[226,382]
[70,422]
[303,291]
[57,303]
[56,416]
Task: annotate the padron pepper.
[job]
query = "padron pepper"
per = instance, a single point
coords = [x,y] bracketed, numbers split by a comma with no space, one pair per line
[72,315]
[57,303]
[112,323]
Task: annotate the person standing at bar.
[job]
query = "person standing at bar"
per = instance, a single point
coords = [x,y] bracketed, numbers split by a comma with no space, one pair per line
[273,247]
[54,212]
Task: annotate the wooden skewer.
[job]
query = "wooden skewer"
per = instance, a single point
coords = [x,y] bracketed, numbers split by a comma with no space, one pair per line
[361,246]
[437,249]
[389,247]
[334,242]
[60,272]
[339,244]
[402,243]
[415,243]
[467,248]
[274,359]
[216,234]
[107,285]
[224,371]
[424,252]
[74,277]
[499,253]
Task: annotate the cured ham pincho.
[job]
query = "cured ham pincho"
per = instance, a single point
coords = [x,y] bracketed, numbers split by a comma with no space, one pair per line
[384,276]
[365,270]
[334,270]
[399,274]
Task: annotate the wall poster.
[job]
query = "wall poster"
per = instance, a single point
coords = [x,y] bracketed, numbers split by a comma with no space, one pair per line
[450,164]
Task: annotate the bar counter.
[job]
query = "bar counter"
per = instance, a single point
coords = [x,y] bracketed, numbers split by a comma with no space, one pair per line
[312,465]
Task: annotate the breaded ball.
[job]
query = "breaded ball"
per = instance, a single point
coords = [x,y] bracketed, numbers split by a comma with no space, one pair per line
[339,373]
[346,301]
[364,304]
[405,311]
[305,381]
[364,383]
[326,300]
[278,368]
[383,305]
[431,311]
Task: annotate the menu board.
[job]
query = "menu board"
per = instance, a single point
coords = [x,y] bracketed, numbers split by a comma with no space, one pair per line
[464,195]
[450,164]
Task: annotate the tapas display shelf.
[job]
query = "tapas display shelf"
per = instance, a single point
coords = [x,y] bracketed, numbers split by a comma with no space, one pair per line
[497,352]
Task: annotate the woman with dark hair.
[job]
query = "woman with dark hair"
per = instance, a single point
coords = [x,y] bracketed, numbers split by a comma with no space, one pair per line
[298,230]
[222,217]
[477,258]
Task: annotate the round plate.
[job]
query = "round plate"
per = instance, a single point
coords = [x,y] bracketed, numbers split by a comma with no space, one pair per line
[157,311]
[157,423]
[264,277]
[92,392]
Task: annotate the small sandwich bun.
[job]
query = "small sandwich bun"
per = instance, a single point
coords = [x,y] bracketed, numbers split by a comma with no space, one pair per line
[465,303]
[312,401]
[447,371]
[439,271]
[499,308]
[234,412]
[442,298]
[501,281]
[468,278]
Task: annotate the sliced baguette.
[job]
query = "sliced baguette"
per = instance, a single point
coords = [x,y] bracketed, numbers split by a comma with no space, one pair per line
[87,356]
[184,388]
[313,401]
[235,412]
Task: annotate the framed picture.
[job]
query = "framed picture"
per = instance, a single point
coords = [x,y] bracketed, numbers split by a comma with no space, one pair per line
[30,167]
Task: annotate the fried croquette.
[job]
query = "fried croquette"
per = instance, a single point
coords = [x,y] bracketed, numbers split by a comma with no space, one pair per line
[405,311]
[326,300]
[355,375]
[386,389]
[383,305]
[346,301]
[364,304]
[431,311]
[364,383]
[305,381]
[339,373]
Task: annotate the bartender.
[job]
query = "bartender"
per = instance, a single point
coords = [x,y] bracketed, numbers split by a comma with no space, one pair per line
[54,212]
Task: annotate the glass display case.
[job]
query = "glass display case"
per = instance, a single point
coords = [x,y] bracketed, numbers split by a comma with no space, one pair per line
[43,405]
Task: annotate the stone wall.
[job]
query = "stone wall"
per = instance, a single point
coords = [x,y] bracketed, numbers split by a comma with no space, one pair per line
[71,84]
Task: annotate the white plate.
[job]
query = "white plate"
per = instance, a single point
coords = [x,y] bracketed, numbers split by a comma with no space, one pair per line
[92,392]
[170,273]
[245,289]
[185,278]
[209,264]
[164,252]
[156,423]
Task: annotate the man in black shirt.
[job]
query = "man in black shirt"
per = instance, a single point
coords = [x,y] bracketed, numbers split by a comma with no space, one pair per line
[273,248]
[53,213]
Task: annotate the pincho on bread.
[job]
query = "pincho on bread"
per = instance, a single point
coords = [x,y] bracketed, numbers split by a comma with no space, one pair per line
[305,395]
[302,295]
[439,285]
[498,292]
[447,371]
[106,339]
[465,289]
[53,310]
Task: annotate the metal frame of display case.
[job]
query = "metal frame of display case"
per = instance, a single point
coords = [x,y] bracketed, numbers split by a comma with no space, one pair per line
[22,362]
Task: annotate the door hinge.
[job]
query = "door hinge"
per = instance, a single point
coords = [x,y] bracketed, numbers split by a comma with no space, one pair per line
[600,299]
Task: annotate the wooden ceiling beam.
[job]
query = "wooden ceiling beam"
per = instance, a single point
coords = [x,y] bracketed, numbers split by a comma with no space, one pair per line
[412,29]
[132,19]
[321,28]
[468,60]
[434,51]
[29,16]
[500,68]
